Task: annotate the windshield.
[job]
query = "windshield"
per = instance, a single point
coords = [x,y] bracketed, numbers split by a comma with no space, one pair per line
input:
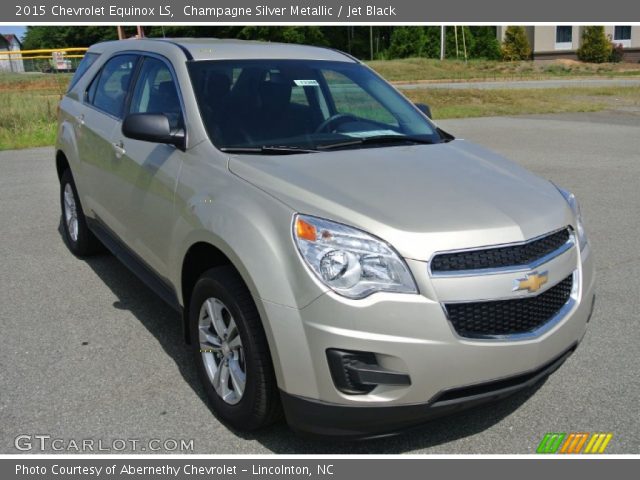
[302,105]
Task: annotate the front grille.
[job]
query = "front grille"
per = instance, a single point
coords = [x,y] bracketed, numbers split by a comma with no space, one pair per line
[497,257]
[508,317]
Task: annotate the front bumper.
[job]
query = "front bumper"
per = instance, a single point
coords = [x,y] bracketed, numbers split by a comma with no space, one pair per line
[409,334]
[332,420]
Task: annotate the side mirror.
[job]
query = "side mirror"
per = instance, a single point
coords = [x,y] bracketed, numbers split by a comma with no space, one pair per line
[424,109]
[152,127]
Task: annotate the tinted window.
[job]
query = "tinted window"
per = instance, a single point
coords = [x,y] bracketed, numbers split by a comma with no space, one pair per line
[109,89]
[86,62]
[156,92]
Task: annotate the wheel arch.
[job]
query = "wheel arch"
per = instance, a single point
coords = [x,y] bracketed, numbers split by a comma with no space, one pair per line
[203,255]
[62,163]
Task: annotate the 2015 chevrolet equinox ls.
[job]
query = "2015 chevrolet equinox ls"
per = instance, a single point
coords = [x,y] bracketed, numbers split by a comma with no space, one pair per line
[336,256]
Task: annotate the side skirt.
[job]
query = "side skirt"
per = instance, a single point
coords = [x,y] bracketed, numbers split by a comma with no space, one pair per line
[134,263]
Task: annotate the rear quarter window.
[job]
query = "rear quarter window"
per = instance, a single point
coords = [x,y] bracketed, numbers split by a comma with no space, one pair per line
[108,90]
[84,65]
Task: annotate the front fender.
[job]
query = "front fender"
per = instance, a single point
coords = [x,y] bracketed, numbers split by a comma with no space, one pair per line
[254,231]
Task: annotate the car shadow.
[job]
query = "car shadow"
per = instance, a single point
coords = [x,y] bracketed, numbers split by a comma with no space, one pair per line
[164,324]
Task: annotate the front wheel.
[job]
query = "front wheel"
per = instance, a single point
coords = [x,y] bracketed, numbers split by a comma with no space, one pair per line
[231,351]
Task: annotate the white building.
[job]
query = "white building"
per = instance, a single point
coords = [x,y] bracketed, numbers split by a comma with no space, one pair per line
[8,63]
[550,42]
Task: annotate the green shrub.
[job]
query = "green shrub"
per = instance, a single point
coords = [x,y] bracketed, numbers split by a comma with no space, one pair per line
[596,47]
[515,45]
[617,53]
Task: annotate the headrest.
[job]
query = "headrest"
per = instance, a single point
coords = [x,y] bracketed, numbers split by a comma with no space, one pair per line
[275,94]
[218,85]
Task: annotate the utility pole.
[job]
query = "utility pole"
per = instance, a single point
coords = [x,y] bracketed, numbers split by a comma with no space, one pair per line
[442,27]
[464,45]
[455,33]
[371,40]
[140,32]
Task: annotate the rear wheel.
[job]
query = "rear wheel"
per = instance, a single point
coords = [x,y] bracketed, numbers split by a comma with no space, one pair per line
[77,235]
[231,351]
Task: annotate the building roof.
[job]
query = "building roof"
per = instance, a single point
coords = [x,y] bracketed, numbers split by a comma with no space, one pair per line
[11,38]
[221,49]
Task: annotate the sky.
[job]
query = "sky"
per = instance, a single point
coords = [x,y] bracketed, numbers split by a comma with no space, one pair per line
[15,29]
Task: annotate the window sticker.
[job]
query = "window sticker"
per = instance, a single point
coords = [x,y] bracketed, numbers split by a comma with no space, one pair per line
[370,133]
[306,83]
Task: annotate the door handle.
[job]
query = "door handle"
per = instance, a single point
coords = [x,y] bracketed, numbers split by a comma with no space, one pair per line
[118,147]
[80,120]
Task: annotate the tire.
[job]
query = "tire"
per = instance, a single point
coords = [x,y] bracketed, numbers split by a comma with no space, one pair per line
[80,240]
[222,292]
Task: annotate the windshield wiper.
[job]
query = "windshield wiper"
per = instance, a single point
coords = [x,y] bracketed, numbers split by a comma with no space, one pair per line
[383,139]
[268,150]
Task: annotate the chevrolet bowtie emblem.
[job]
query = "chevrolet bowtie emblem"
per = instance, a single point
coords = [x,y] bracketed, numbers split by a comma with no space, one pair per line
[532,282]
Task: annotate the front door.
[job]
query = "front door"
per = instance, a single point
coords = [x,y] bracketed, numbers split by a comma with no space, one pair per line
[151,169]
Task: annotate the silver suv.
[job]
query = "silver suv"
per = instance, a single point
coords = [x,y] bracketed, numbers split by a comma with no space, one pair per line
[335,256]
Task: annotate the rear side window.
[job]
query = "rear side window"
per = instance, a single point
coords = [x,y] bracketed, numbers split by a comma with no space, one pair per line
[86,62]
[156,92]
[108,90]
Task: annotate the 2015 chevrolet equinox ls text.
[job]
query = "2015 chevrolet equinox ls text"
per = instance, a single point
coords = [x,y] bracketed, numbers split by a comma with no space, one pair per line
[335,255]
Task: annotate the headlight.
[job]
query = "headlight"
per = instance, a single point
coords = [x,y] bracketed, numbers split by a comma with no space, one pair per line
[350,261]
[575,207]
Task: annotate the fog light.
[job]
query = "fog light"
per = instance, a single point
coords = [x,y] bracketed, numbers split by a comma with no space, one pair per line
[358,373]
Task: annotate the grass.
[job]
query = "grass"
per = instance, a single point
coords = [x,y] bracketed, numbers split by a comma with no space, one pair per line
[28,103]
[425,69]
[462,103]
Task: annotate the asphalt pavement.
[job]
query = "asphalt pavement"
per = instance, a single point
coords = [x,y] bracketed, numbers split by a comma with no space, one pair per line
[88,352]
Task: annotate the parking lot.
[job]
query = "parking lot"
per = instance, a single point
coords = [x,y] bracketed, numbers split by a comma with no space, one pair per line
[88,352]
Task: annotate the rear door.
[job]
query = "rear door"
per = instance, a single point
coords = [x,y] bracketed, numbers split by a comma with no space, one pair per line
[151,169]
[104,101]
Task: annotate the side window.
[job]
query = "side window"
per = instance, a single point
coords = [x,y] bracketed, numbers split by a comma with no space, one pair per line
[108,90]
[349,98]
[156,92]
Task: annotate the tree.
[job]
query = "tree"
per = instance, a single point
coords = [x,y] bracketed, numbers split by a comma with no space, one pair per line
[486,43]
[515,45]
[595,47]
[450,42]
[407,42]
[66,36]
[289,34]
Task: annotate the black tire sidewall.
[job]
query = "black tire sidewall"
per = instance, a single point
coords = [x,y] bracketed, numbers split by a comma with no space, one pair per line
[74,245]
[86,244]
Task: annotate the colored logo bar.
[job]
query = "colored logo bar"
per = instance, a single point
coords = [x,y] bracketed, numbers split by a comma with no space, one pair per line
[576,442]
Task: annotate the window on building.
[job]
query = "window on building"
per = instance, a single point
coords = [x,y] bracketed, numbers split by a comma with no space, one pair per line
[564,37]
[622,34]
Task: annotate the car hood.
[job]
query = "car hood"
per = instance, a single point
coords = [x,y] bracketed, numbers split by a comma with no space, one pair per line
[419,198]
